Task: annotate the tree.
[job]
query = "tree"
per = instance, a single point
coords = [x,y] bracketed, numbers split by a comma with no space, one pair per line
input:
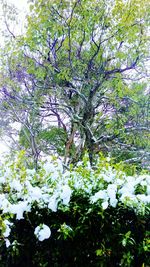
[81,62]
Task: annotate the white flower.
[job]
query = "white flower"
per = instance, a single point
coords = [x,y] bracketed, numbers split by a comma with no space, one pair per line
[129,199]
[35,193]
[53,202]
[7,228]
[111,192]
[143,183]
[127,188]
[7,242]
[113,202]
[101,194]
[141,178]
[16,185]
[42,232]
[2,180]
[49,168]
[5,204]
[30,172]
[148,189]
[2,199]
[105,205]
[28,185]
[107,178]
[19,209]
[131,180]
[7,231]
[108,175]
[119,181]
[126,195]
[111,189]
[144,198]
[59,166]
[65,194]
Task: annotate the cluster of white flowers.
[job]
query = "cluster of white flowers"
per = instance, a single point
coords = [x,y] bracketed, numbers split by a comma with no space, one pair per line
[125,191]
[52,188]
[42,232]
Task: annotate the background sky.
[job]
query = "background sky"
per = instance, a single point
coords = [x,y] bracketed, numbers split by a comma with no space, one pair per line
[23,7]
[21,4]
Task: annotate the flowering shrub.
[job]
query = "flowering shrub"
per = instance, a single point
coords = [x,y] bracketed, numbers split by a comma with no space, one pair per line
[75,217]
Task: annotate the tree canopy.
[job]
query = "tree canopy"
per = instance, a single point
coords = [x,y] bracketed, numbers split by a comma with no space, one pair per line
[77,79]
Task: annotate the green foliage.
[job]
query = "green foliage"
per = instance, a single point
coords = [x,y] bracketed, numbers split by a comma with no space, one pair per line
[24,138]
[53,137]
[56,137]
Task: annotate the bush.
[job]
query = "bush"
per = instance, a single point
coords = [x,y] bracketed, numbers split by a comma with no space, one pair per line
[78,217]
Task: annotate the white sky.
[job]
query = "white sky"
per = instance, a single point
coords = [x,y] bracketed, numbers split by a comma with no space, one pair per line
[20,4]
[23,7]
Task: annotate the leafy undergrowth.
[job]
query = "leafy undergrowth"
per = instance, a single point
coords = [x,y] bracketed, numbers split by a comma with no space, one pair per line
[77,217]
